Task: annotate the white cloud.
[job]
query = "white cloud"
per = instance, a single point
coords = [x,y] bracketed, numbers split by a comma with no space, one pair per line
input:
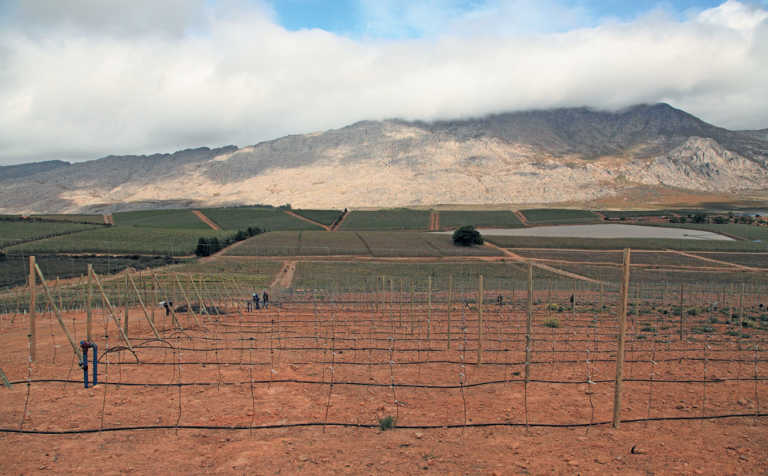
[83,82]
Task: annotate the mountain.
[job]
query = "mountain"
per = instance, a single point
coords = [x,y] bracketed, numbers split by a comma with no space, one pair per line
[9,172]
[541,156]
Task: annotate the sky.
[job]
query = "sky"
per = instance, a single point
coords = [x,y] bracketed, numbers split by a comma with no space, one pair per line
[81,79]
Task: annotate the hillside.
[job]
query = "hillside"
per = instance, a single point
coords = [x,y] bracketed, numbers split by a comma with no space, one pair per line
[521,157]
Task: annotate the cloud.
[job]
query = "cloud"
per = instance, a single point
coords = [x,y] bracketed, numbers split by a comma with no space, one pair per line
[85,81]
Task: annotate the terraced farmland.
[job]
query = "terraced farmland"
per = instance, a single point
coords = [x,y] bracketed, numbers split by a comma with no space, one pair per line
[394,219]
[13,232]
[556,216]
[181,219]
[123,240]
[486,218]
[269,219]
[326,217]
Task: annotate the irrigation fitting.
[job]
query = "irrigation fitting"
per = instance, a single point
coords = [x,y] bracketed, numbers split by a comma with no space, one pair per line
[84,345]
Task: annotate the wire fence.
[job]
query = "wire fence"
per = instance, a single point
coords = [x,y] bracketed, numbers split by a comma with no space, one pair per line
[445,352]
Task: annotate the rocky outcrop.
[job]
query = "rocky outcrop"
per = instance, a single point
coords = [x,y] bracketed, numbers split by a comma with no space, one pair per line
[525,157]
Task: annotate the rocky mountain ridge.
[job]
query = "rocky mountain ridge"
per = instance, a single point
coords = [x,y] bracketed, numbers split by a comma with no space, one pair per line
[521,157]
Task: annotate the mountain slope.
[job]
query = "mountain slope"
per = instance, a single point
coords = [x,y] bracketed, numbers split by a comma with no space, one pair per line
[521,157]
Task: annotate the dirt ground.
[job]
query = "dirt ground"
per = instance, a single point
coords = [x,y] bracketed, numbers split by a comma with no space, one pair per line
[275,367]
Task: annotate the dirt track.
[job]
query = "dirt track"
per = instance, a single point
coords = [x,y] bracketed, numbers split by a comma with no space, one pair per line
[308,220]
[206,220]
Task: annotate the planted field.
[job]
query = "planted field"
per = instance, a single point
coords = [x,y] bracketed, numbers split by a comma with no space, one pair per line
[364,243]
[14,268]
[357,276]
[755,260]
[123,240]
[486,218]
[617,244]
[13,232]
[635,213]
[182,219]
[326,217]
[300,243]
[409,360]
[320,243]
[555,216]
[92,219]
[268,219]
[394,219]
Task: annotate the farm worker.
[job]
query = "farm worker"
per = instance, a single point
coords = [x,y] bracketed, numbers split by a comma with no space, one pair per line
[265,299]
[256,300]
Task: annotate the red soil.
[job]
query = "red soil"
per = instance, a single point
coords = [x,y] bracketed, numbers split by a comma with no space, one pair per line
[351,343]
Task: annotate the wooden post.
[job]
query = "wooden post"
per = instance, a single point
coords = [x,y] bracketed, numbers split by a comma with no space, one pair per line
[112,312]
[450,307]
[573,303]
[741,308]
[480,320]
[88,311]
[125,306]
[186,299]
[143,307]
[682,310]
[529,324]
[52,301]
[410,309]
[32,310]
[620,345]
[429,309]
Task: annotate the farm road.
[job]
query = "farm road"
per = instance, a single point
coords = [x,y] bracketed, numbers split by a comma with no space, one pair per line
[206,220]
[308,220]
[434,221]
[338,223]
[543,266]
[725,263]
[284,277]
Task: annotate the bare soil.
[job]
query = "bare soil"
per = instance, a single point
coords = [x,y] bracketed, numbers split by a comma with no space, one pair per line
[275,367]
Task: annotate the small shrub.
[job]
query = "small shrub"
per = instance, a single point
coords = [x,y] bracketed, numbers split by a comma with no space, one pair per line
[553,323]
[713,320]
[387,423]
[648,329]
[732,333]
[703,330]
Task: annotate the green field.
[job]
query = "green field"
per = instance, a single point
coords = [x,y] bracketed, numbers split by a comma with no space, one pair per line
[496,218]
[14,268]
[757,260]
[394,219]
[357,277]
[93,219]
[367,243]
[181,219]
[635,213]
[621,243]
[556,216]
[123,240]
[268,219]
[13,232]
[326,217]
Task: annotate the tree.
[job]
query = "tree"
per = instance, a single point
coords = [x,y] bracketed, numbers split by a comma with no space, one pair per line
[203,248]
[467,236]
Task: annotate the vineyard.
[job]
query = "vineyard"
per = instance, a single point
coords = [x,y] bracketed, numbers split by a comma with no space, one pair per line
[403,346]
